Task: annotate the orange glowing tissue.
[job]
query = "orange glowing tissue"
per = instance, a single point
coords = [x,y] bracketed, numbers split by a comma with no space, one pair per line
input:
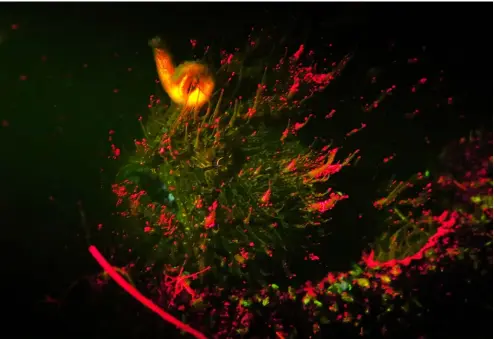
[189,85]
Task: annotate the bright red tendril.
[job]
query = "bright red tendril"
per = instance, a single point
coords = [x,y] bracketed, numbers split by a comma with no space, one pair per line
[139,297]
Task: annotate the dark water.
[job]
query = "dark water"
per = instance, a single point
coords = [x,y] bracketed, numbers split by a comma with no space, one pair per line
[71,73]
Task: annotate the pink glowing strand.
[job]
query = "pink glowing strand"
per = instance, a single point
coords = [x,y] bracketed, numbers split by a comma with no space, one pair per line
[445,228]
[139,297]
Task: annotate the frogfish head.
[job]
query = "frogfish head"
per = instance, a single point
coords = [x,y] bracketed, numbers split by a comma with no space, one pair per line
[195,84]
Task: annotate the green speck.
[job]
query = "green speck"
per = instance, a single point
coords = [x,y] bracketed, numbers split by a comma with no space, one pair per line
[476,199]
[246,303]
[346,297]
[324,320]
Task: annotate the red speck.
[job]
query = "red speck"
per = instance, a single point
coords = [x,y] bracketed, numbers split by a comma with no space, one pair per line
[193,42]
[23,77]
[5,123]
[450,100]
[313,257]
[294,88]
[116,151]
[422,81]
[14,27]
[298,53]
[115,90]
[330,114]
[100,226]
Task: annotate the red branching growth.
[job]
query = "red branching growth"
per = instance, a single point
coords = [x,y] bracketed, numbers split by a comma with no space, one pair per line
[325,205]
[175,284]
[447,222]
